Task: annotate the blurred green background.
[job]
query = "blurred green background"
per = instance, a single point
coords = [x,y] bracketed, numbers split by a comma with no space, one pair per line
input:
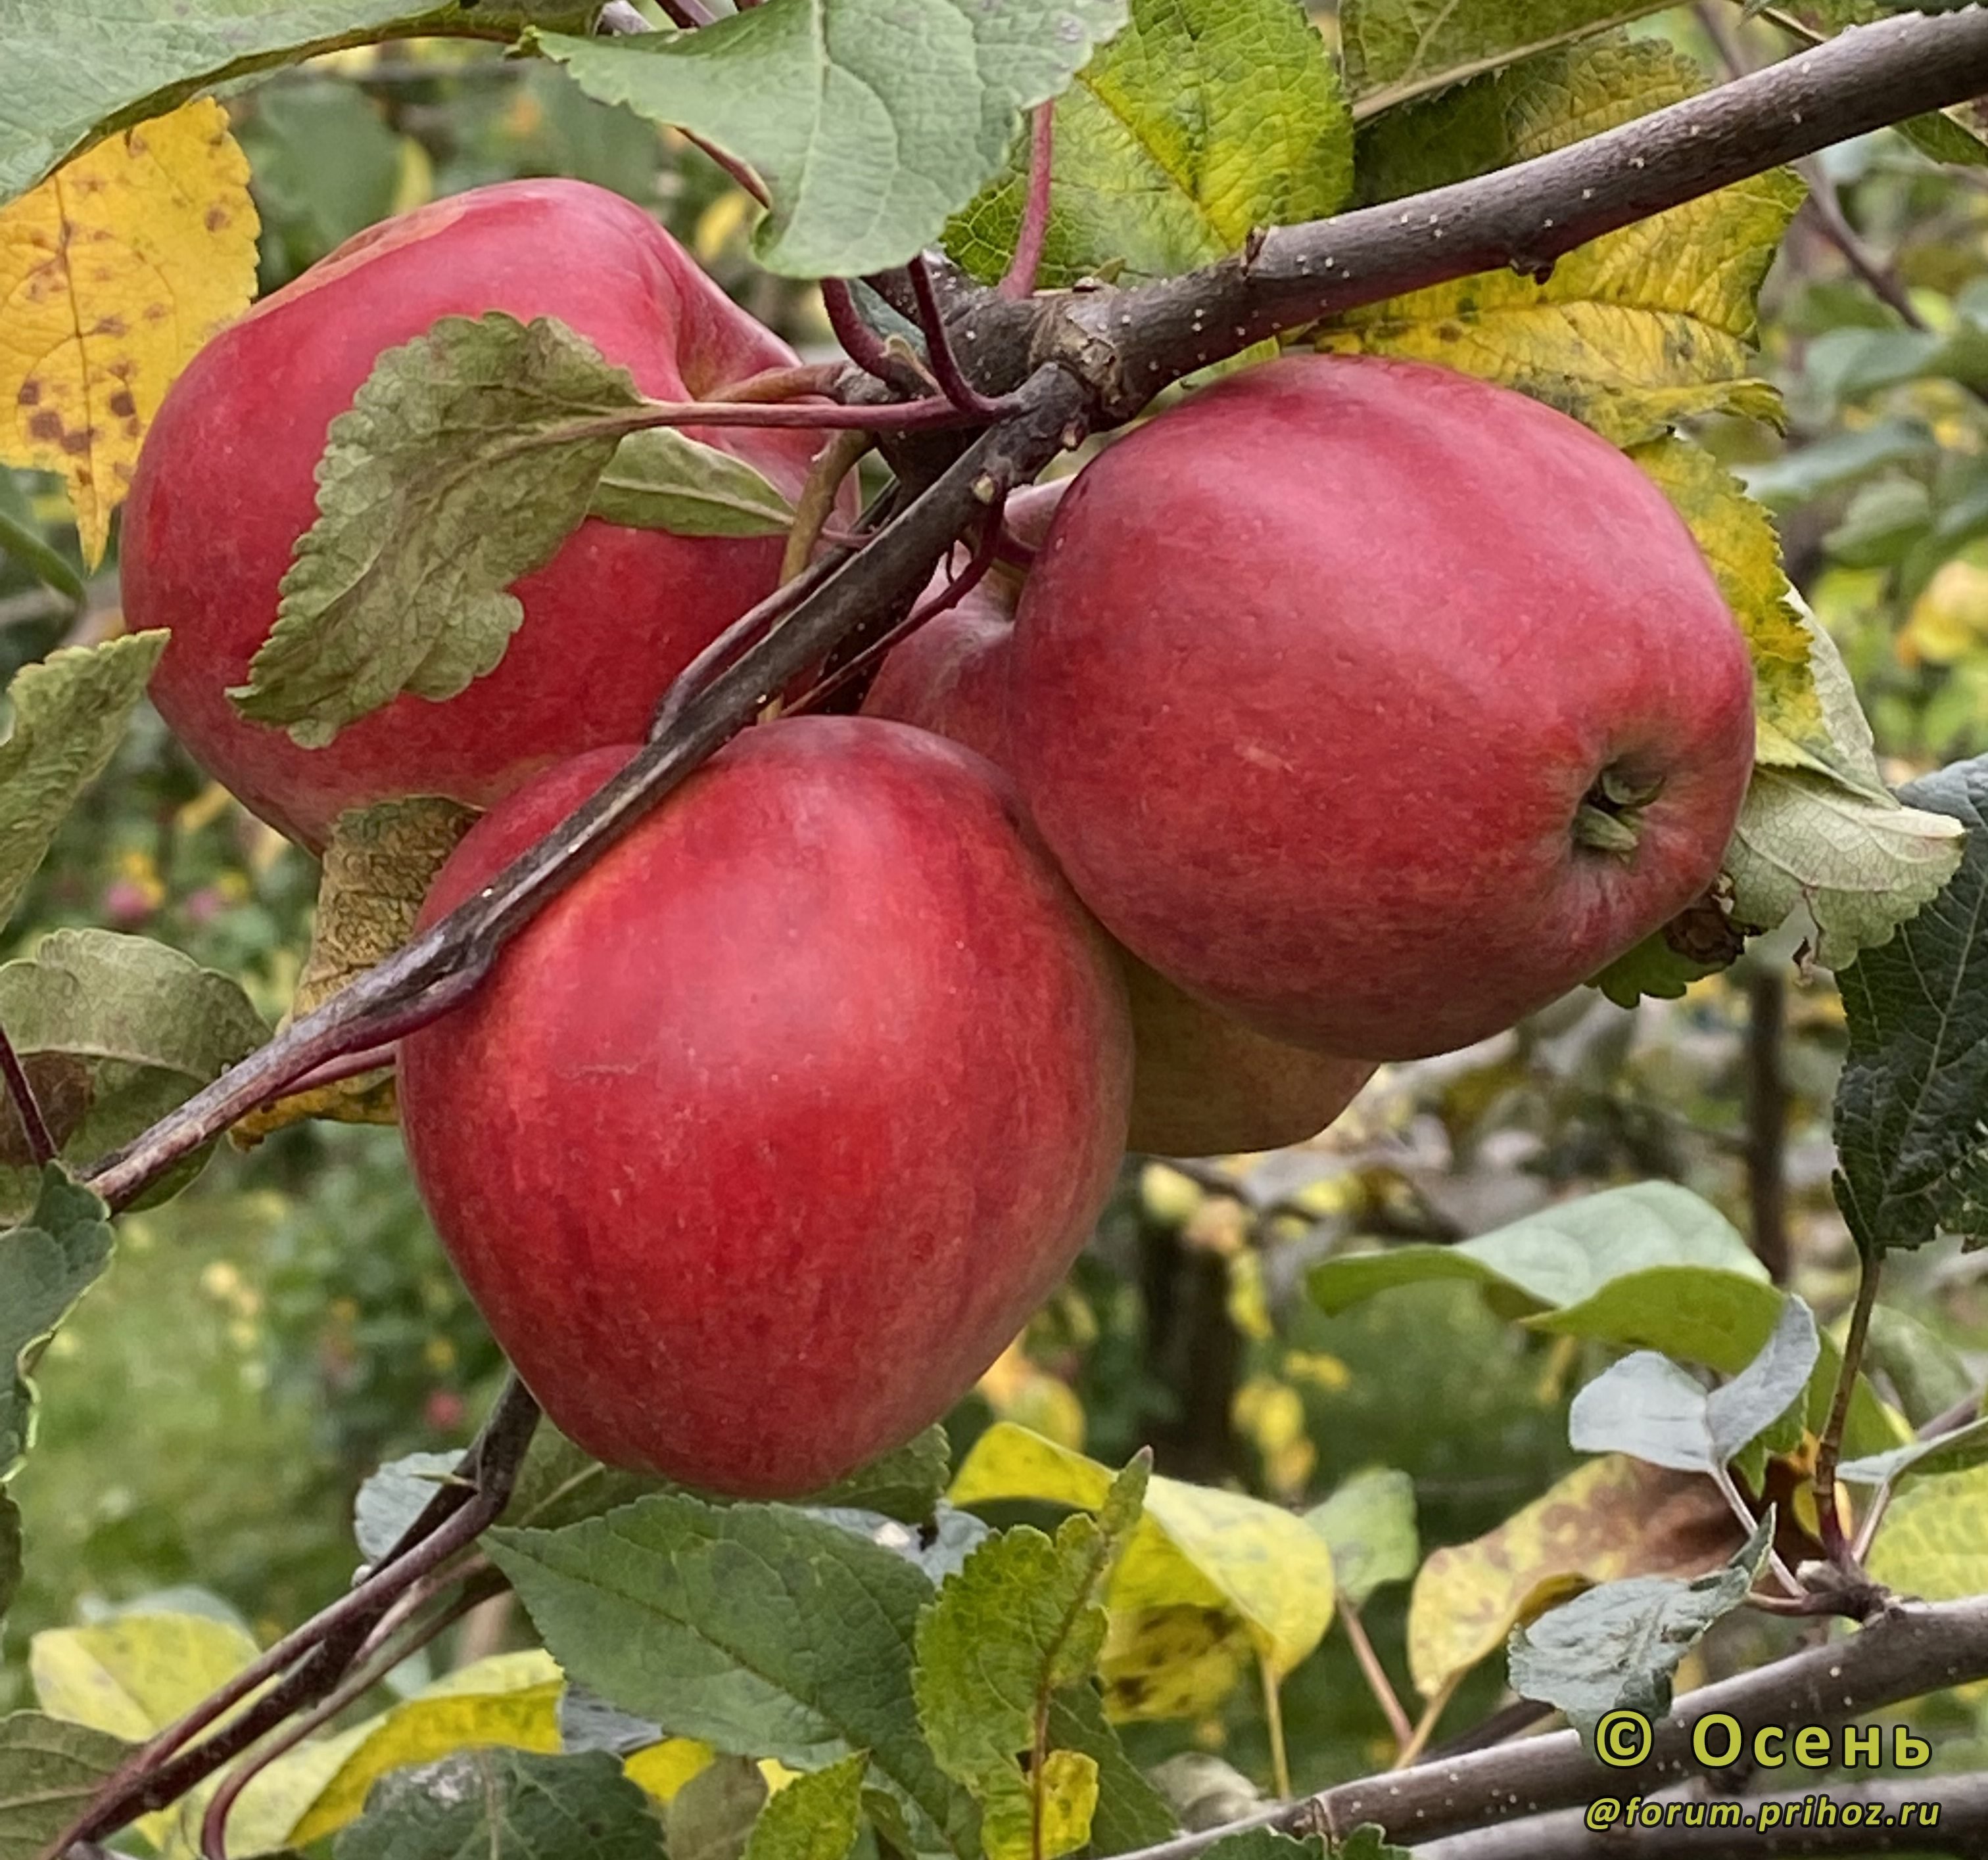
[266,1340]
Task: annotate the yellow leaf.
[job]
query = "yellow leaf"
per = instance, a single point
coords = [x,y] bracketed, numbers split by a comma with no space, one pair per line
[510,1699]
[1950,620]
[1172,1663]
[1933,1542]
[1612,1518]
[1792,728]
[660,1770]
[113,272]
[132,1677]
[1194,1547]
[1632,331]
[1018,1390]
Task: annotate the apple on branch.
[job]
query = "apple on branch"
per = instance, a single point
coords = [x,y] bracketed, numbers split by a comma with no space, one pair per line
[1376,705]
[227,483]
[762,1141]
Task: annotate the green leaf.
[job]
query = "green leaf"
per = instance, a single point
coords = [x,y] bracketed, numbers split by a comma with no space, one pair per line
[1658,968]
[559,1485]
[815,1816]
[1559,1257]
[1647,1407]
[46,1266]
[1370,1524]
[1396,49]
[10,1551]
[497,1804]
[69,714]
[1633,332]
[1836,462]
[1022,1621]
[760,1630]
[1369,1841]
[1195,1547]
[1912,1160]
[711,1817]
[113,1032]
[1721,1319]
[76,73]
[907,1484]
[48,1770]
[393,1497]
[1130,1813]
[21,538]
[660,479]
[510,1700]
[1960,1451]
[1203,119]
[324,159]
[1266,1843]
[870,122]
[1858,865]
[467,458]
[1616,1647]
[1927,1374]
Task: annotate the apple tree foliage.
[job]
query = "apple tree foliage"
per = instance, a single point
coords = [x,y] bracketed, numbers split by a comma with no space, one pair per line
[970,1651]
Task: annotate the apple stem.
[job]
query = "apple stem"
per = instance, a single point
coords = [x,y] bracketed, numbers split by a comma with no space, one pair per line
[772,384]
[1596,827]
[865,347]
[1020,281]
[938,346]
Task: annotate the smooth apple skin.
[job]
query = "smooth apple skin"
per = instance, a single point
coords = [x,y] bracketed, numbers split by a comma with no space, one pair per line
[1314,672]
[763,1140]
[1203,1084]
[226,484]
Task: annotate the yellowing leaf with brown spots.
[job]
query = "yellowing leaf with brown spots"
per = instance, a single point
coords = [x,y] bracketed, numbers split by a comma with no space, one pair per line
[1629,333]
[113,273]
[1613,1517]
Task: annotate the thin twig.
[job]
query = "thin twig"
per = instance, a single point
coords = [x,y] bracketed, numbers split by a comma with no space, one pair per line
[1829,1450]
[956,591]
[27,1107]
[1020,280]
[315,1656]
[1376,1675]
[945,366]
[371,1671]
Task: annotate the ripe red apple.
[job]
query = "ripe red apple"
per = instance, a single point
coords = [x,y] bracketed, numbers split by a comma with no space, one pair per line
[1376,705]
[763,1140]
[1203,1083]
[224,486]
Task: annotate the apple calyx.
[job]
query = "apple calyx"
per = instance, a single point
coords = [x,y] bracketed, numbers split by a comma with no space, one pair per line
[1607,819]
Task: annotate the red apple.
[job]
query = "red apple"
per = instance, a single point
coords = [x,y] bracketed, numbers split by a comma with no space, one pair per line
[763,1140]
[224,486]
[1203,1084]
[1375,705]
